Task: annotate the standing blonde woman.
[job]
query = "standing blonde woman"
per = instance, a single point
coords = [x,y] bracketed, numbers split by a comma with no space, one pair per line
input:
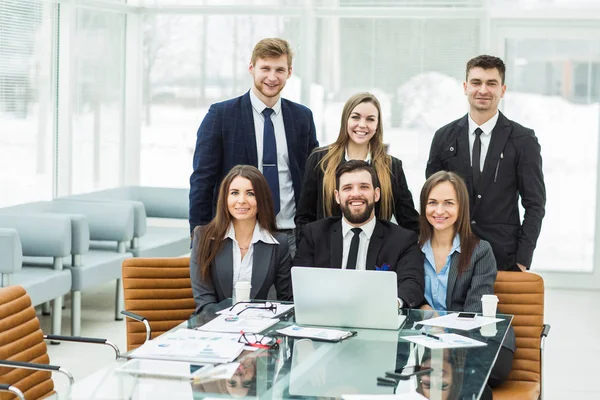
[360,138]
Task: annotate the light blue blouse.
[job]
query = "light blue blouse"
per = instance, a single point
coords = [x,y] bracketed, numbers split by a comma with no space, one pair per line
[436,284]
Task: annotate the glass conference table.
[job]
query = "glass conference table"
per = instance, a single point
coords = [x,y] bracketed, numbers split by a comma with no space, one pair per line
[302,368]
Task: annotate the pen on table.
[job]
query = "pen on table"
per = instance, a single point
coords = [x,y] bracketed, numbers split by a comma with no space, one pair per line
[431,336]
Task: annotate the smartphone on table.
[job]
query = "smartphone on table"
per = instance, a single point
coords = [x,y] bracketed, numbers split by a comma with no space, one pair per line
[466,315]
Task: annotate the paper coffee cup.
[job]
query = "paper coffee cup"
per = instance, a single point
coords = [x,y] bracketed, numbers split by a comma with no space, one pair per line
[489,302]
[489,330]
[242,291]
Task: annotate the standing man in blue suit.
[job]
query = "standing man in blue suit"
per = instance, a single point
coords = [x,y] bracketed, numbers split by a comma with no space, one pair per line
[260,129]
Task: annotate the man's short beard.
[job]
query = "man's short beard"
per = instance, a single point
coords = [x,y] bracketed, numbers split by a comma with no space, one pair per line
[358,218]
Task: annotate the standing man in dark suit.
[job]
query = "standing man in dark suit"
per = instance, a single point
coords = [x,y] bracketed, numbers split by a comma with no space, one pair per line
[499,161]
[260,129]
[358,240]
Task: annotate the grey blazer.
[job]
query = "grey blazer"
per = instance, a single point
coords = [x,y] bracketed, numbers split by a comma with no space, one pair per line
[271,266]
[465,291]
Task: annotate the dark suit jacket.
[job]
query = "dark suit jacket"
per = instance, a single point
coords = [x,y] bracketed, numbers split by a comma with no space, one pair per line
[465,290]
[271,265]
[310,206]
[322,246]
[227,138]
[513,167]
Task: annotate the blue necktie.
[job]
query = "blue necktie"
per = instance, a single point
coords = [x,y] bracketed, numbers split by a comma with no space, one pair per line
[270,170]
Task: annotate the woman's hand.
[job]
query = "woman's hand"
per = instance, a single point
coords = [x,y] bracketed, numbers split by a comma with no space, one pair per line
[426,307]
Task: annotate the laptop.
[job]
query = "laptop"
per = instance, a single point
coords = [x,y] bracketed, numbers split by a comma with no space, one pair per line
[346,298]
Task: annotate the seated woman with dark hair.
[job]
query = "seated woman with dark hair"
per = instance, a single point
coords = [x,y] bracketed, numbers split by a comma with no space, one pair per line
[459,267]
[240,244]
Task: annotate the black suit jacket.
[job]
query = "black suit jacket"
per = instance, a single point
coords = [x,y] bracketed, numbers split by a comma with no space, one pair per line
[271,266]
[322,246]
[227,138]
[513,168]
[310,207]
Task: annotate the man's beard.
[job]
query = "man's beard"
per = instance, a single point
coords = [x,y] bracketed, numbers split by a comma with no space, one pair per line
[360,218]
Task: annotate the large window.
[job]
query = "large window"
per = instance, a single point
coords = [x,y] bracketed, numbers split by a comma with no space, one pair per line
[26,100]
[98,107]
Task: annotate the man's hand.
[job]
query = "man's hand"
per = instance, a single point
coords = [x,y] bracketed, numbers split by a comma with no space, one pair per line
[522,267]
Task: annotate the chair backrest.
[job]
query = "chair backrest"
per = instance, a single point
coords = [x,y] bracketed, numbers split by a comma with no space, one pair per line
[160,290]
[522,295]
[21,339]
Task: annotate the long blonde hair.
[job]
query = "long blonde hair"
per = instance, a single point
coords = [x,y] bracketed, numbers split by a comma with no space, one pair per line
[379,159]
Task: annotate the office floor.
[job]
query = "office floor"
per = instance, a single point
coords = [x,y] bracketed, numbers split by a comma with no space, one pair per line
[570,357]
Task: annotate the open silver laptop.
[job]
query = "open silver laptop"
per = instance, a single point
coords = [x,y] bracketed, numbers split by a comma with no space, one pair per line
[346,298]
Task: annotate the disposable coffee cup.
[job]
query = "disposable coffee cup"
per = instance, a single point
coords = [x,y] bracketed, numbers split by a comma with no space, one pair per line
[242,291]
[489,330]
[489,302]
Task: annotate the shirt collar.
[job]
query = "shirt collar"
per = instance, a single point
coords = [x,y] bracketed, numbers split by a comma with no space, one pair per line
[367,228]
[487,127]
[368,159]
[259,106]
[455,246]
[259,234]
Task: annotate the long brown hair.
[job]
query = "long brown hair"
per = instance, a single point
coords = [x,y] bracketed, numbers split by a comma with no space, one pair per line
[462,226]
[211,235]
[379,159]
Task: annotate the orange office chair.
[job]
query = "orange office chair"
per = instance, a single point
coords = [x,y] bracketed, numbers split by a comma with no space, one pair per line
[522,295]
[25,371]
[158,296]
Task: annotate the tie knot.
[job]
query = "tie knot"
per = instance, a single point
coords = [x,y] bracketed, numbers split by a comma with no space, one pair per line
[356,231]
[478,132]
[267,112]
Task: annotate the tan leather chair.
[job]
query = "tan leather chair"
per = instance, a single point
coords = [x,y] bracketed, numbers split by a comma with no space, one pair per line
[522,295]
[24,361]
[160,290]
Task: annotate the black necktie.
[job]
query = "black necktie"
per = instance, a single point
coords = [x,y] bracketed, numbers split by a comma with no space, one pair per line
[476,160]
[270,170]
[353,253]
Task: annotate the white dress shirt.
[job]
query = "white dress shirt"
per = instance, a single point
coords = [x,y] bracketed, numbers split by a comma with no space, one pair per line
[368,159]
[287,211]
[242,267]
[486,136]
[363,245]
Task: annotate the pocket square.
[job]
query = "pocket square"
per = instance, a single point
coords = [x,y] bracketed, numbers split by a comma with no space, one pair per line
[384,267]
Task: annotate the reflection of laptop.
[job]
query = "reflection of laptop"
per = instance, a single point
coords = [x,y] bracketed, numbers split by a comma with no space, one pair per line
[346,298]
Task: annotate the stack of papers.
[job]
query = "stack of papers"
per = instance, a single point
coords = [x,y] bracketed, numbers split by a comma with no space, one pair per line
[453,322]
[193,346]
[237,324]
[257,312]
[446,341]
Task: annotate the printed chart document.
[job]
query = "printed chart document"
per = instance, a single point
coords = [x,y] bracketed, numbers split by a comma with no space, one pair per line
[452,321]
[282,309]
[193,346]
[446,341]
[329,335]
[237,324]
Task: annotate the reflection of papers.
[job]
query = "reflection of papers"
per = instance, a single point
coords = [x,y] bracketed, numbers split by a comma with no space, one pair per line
[404,396]
[257,313]
[223,371]
[237,324]
[449,341]
[191,345]
[315,333]
[452,321]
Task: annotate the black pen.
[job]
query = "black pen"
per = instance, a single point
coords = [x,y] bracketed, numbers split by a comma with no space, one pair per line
[431,336]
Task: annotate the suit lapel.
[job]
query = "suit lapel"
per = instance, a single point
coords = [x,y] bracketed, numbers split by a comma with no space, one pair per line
[336,245]
[224,268]
[462,136]
[290,131]
[374,246]
[261,262]
[248,130]
[500,135]
[452,277]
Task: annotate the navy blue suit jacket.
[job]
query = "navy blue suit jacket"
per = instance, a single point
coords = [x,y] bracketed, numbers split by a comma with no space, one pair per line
[227,138]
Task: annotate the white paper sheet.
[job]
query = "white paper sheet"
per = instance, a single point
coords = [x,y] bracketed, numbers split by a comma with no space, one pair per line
[237,324]
[448,341]
[452,321]
[315,333]
[403,396]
